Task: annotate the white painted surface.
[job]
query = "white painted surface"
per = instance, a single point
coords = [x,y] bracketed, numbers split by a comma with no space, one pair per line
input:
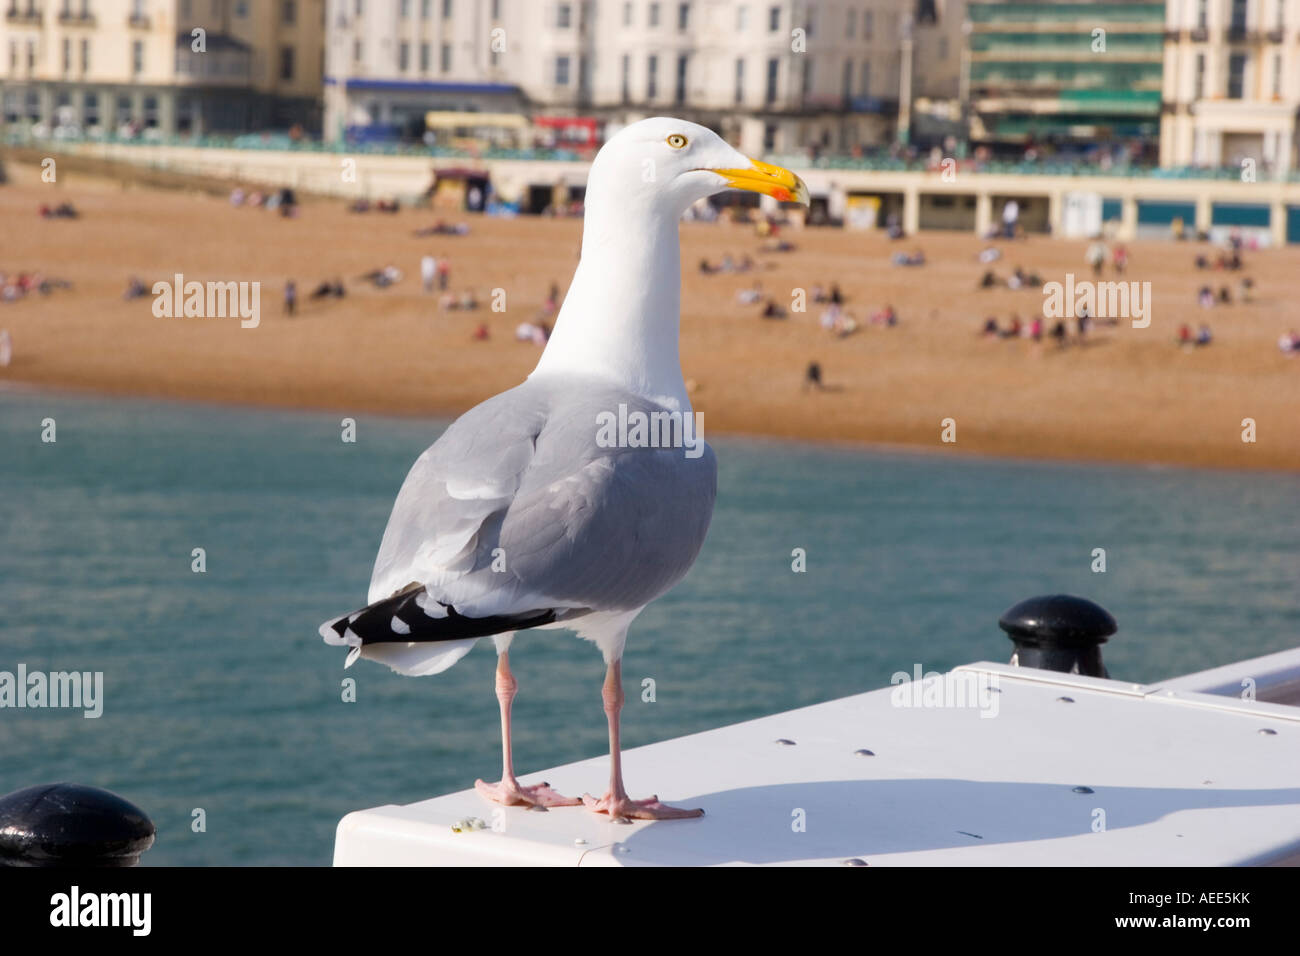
[1183,778]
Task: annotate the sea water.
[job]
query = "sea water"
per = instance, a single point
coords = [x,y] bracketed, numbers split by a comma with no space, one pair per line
[223,712]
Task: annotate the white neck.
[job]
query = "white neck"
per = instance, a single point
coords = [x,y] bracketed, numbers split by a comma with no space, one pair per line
[622,315]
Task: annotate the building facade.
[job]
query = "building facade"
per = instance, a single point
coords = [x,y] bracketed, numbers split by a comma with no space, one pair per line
[771,76]
[161,66]
[1064,72]
[1231,84]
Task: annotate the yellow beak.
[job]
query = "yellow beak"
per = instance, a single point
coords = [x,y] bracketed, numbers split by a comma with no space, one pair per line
[780,184]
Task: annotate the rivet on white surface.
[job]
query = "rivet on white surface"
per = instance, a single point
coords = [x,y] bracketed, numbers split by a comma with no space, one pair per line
[854,861]
[1268,731]
[784,742]
[579,842]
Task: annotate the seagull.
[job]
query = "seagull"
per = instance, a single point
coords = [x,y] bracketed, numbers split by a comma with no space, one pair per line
[532,510]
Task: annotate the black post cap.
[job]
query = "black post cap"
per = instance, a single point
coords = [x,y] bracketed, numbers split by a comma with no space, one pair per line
[1059,632]
[67,824]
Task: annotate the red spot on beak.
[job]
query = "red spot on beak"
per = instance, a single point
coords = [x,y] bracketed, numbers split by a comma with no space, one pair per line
[781,193]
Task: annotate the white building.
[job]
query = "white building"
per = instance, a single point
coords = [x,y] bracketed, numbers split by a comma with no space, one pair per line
[161,66]
[1231,83]
[771,75]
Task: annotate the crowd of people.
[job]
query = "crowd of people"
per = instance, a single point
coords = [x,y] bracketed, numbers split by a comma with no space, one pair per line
[285,201]
[379,205]
[18,285]
[1018,279]
[64,210]
[743,263]
[1062,332]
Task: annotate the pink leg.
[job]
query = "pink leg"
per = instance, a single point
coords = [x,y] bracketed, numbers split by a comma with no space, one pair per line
[509,791]
[616,802]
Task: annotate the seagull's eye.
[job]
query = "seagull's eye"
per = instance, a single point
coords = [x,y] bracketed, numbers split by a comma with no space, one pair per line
[677,141]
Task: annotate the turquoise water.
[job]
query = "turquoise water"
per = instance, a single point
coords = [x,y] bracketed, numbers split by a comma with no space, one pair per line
[221,696]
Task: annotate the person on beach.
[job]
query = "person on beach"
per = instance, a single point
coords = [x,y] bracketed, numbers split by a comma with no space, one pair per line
[1096,257]
[812,377]
[428,272]
[6,348]
[290,297]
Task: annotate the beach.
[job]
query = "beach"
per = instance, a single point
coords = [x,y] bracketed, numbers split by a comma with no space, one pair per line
[1123,394]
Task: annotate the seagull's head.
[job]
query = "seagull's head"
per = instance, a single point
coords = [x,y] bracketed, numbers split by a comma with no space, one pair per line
[664,160]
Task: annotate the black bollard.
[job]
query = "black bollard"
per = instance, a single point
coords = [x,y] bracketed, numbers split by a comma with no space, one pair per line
[67,824]
[1059,632]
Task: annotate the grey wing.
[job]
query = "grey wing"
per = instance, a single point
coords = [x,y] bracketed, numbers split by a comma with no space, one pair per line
[517,508]
[617,531]
[454,488]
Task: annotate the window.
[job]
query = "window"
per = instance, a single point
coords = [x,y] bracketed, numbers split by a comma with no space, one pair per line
[90,109]
[651,77]
[851,24]
[1198,92]
[85,55]
[679,91]
[740,80]
[403,56]
[683,16]
[774,19]
[1239,15]
[426,9]
[807,79]
[564,16]
[67,55]
[561,71]
[627,14]
[289,12]
[808,23]
[1236,76]
[625,89]
[286,63]
[446,9]
[424,58]
[358,8]
[496,9]
[773,71]
[137,57]
[868,23]
[405,11]
[864,85]
[1202,14]
[241,8]
[31,55]
[187,9]
[652,17]
[1277,76]
[444,58]
[742,18]
[846,84]
[123,109]
[356,50]
[584,76]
